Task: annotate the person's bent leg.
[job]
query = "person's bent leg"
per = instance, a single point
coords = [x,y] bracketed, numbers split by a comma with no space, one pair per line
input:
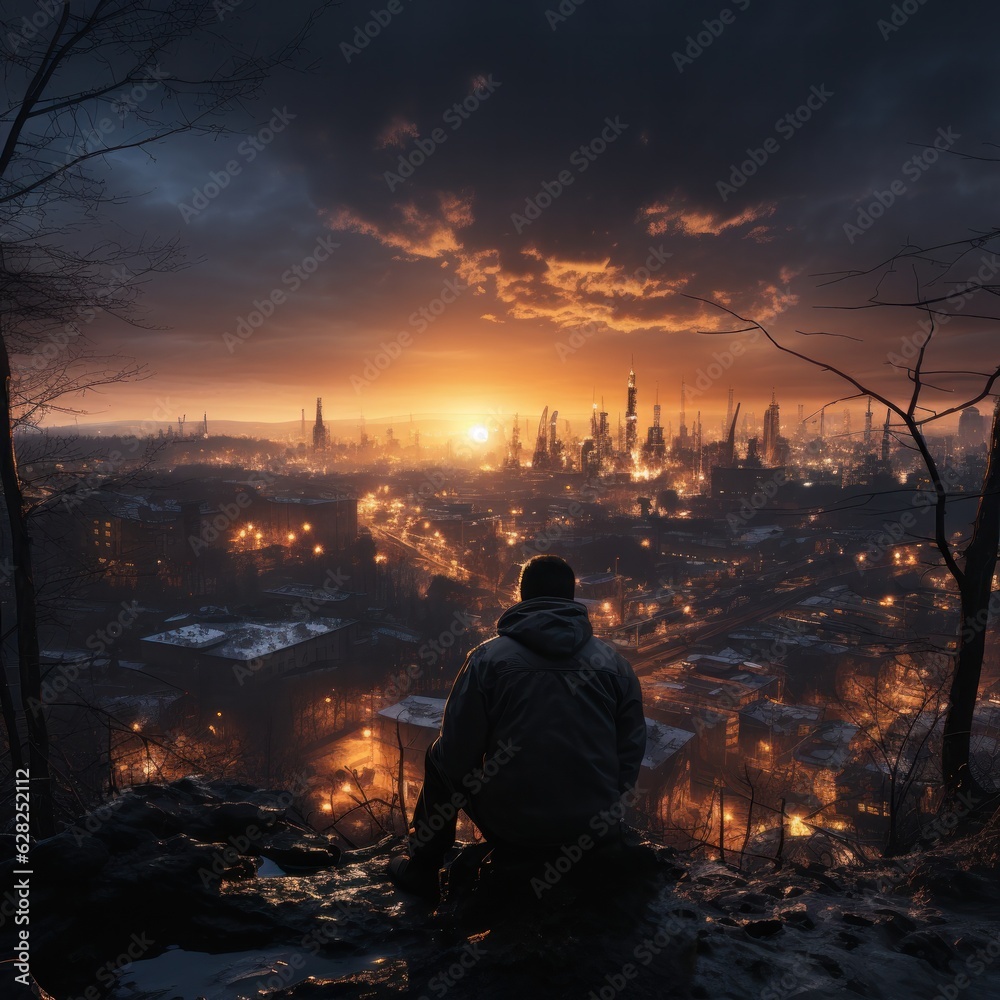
[435,815]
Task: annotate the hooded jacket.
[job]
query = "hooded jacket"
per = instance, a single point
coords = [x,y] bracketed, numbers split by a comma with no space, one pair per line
[544,729]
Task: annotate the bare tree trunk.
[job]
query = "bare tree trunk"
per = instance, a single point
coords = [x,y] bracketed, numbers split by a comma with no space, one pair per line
[25,603]
[753,798]
[10,716]
[401,780]
[974,591]
[722,824]
[778,862]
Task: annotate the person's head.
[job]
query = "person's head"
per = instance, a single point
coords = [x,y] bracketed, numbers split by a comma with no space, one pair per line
[547,576]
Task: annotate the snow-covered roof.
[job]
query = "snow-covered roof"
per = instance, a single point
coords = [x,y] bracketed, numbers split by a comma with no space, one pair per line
[395,632]
[828,747]
[188,637]
[320,595]
[416,710]
[247,641]
[781,717]
[662,742]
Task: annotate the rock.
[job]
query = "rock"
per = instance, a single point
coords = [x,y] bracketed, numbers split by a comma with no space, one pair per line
[68,858]
[847,941]
[298,852]
[797,916]
[929,946]
[827,964]
[762,928]
[642,924]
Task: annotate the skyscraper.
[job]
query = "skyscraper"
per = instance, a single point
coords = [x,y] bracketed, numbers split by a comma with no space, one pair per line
[631,416]
[319,430]
[655,448]
[772,431]
[971,428]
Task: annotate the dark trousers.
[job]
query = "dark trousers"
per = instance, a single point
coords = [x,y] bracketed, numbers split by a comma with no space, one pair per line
[435,815]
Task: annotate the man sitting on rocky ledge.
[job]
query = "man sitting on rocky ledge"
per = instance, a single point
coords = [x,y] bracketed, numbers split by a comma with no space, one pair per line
[542,737]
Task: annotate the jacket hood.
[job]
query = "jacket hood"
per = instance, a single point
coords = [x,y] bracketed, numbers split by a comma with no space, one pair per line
[551,626]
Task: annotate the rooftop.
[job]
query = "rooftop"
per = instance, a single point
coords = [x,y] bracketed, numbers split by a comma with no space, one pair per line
[246,640]
[416,710]
[829,747]
[782,718]
[662,742]
[188,637]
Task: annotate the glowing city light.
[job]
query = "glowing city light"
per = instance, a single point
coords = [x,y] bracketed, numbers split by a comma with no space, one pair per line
[796,828]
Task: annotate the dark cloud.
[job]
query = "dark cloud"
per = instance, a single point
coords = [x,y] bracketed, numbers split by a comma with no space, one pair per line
[550,93]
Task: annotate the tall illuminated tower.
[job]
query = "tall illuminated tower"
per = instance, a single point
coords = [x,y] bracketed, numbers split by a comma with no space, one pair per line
[319,430]
[631,415]
[772,430]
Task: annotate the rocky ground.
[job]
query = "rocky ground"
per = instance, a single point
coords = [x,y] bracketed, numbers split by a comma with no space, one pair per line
[213,890]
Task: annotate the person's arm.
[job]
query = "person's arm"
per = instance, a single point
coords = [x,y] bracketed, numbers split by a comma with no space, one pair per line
[462,744]
[631,726]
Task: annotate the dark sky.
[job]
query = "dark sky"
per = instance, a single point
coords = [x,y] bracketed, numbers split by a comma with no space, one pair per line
[547,89]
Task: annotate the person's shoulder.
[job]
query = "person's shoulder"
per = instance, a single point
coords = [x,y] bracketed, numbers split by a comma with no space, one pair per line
[598,654]
[487,650]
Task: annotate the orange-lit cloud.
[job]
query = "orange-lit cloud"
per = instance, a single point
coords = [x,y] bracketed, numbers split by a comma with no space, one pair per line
[418,232]
[396,134]
[661,218]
